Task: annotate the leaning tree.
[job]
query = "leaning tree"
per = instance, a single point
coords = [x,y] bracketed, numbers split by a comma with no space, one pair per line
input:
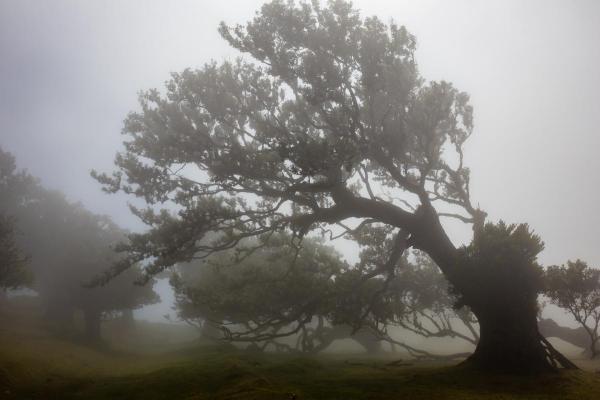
[325,122]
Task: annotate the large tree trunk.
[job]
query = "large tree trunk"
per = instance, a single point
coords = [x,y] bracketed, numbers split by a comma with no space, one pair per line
[509,340]
[503,297]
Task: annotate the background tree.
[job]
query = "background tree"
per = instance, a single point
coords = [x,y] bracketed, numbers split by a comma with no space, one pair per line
[278,291]
[263,298]
[13,266]
[576,288]
[327,125]
[13,271]
[66,247]
[415,299]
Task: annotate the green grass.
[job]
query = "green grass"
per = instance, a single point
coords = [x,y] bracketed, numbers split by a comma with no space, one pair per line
[36,365]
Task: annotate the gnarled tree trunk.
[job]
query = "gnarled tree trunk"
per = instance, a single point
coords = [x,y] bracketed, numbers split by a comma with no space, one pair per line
[502,297]
[509,339]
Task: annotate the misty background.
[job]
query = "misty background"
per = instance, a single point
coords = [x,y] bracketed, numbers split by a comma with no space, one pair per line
[70,71]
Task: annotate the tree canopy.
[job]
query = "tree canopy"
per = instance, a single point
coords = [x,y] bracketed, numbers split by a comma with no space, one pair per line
[330,121]
[276,292]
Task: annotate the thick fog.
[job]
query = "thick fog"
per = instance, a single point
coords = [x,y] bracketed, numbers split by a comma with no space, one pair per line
[70,72]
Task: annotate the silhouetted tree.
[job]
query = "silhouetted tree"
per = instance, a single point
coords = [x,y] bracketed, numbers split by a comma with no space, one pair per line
[66,247]
[13,271]
[13,265]
[576,288]
[330,125]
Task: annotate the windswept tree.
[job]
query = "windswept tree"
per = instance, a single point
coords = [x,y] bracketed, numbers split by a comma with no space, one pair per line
[325,123]
[576,288]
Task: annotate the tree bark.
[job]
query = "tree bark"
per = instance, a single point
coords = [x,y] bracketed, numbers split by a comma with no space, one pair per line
[509,341]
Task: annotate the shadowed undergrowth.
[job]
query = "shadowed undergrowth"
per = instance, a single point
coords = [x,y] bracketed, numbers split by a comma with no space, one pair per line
[224,373]
[36,365]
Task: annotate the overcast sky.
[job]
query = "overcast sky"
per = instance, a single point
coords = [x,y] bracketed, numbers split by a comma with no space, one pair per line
[70,71]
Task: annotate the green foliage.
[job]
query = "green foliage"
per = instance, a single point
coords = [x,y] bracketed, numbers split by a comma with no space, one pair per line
[573,286]
[271,292]
[66,246]
[502,258]
[290,137]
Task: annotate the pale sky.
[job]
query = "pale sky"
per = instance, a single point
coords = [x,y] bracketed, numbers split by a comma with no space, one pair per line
[70,71]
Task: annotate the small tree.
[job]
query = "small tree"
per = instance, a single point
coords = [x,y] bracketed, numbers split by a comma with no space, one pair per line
[576,288]
[89,252]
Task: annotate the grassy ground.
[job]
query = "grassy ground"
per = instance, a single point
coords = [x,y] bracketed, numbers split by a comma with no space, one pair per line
[36,365]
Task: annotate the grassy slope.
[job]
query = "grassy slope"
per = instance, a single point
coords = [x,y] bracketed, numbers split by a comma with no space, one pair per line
[35,365]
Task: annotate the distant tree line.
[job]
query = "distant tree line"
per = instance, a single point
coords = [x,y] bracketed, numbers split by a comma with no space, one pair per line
[55,247]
